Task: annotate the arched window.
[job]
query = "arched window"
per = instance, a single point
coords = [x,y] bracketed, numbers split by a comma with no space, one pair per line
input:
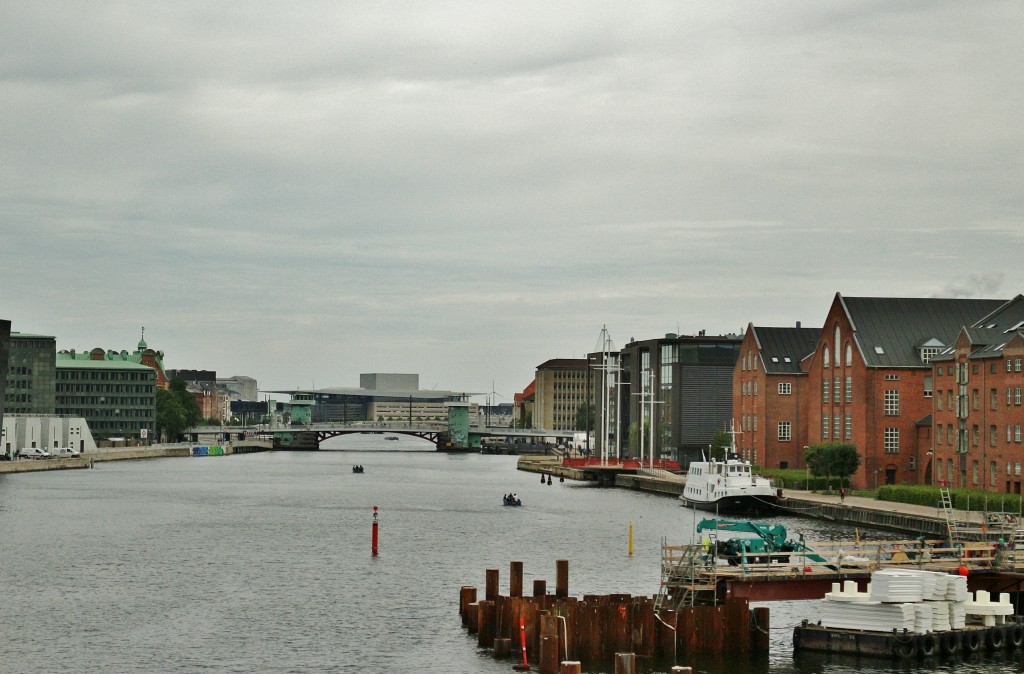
[826,359]
[849,355]
[836,344]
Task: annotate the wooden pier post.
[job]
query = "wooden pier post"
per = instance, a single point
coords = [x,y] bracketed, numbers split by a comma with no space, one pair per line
[737,626]
[548,659]
[491,588]
[472,617]
[540,587]
[562,578]
[467,596]
[571,667]
[486,624]
[515,579]
[682,670]
[665,634]
[502,647]
[762,623]
[625,663]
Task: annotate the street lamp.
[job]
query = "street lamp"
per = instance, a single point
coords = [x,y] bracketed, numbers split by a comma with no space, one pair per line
[807,470]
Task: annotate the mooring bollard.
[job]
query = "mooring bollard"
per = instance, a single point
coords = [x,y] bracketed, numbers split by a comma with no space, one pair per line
[571,667]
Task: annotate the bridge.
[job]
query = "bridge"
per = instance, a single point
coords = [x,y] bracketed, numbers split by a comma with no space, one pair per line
[309,437]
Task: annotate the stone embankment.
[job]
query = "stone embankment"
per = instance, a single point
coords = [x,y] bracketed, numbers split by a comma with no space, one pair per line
[126,453]
[906,518]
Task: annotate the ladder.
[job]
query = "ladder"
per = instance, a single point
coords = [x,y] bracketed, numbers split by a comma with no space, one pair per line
[946,501]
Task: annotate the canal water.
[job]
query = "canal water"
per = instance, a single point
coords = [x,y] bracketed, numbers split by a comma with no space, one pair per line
[261,563]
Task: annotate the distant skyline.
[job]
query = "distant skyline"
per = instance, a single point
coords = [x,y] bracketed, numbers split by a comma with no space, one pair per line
[305,192]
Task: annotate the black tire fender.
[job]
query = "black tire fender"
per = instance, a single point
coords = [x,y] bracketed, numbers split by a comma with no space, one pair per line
[1017,636]
[926,646]
[972,641]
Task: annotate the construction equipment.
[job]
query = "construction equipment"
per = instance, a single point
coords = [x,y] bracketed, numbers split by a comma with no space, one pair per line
[770,545]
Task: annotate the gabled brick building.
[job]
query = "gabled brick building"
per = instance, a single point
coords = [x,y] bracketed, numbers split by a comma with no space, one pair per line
[870,379]
[979,415]
[770,393]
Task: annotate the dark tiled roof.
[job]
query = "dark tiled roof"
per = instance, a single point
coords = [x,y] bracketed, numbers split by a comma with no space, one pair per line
[1007,318]
[564,364]
[782,349]
[889,330]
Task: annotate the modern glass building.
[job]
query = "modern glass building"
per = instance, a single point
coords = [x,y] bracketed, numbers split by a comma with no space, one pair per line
[30,374]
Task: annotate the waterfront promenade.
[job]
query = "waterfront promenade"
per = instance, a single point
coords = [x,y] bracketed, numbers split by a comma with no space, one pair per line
[855,510]
[86,460]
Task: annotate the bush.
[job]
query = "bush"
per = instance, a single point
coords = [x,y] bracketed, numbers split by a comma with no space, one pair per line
[962,499]
[796,478]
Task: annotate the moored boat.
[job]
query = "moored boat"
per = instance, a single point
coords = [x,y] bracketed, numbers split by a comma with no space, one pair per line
[728,487]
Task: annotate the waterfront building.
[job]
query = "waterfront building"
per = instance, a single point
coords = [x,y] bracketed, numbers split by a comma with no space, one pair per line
[5,348]
[523,405]
[690,380]
[115,394]
[382,397]
[46,431]
[31,374]
[978,413]
[238,387]
[560,390]
[769,395]
[870,381]
[202,385]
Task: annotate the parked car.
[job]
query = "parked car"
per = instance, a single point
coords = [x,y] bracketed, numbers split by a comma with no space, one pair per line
[34,453]
[66,452]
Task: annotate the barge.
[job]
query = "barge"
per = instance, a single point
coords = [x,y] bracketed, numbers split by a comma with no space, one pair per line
[906,645]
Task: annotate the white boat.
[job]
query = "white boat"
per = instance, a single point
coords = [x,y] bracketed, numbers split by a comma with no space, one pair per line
[728,487]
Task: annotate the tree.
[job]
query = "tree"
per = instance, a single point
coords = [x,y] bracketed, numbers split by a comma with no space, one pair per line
[170,415]
[193,415]
[835,458]
[720,446]
[584,417]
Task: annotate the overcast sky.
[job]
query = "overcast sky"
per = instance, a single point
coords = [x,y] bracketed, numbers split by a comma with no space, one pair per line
[304,191]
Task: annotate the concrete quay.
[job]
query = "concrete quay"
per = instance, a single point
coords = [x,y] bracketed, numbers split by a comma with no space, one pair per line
[126,454]
[915,520]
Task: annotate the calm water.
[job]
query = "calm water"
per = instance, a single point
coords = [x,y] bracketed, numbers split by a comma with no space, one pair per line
[262,562]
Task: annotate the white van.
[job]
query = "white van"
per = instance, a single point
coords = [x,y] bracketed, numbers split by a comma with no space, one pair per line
[66,453]
[34,453]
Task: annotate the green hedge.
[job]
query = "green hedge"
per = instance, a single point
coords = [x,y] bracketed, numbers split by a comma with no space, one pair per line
[796,478]
[963,499]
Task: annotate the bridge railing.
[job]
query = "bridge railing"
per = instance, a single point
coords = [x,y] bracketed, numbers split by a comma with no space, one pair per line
[628,464]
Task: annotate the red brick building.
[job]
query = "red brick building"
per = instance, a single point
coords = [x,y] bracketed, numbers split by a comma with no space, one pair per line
[979,415]
[870,380]
[769,395]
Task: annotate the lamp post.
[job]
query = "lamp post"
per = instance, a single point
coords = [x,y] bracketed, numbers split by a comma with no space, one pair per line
[807,471]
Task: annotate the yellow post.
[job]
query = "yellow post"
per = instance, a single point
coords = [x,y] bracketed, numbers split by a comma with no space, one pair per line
[631,538]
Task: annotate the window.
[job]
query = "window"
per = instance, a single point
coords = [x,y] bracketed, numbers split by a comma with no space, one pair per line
[929,352]
[826,389]
[928,386]
[824,427]
[949,434]
[975,435]
[785,431]
[838,389]
[849,355]
[849,389]
[1009,396]
[994,398]
[992,473]
[836,344]
[826,357]
[938,401]
[891,440]
[892,377]
[1016,364]
[848,430]
[941,466]
[1016,433]
[939,435]
[755,387]
[974,471]
[993,435]
[835,427]
[974,399]
[891,403]
[785,388]
[1016,396]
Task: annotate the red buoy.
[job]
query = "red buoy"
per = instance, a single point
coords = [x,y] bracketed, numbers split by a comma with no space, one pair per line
[373,545]
[963,571]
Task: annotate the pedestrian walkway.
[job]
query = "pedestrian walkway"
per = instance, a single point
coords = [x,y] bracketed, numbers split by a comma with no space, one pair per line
[884,506]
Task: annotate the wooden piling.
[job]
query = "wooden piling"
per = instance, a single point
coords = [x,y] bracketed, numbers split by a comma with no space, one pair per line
[540,588]
[681,670]
[562,578]
[665,634]
[515,579]
[760,629]
[491,587]
[485,624]
[472,617]
[737,625]
[571,667]
[625,663]
[548,659]
[467,596]
[502,647]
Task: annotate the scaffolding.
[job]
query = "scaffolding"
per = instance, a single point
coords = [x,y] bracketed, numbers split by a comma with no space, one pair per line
[688,576]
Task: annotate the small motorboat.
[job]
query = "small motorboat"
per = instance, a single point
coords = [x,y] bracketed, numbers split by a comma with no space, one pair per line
[357,469]
[512,500]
